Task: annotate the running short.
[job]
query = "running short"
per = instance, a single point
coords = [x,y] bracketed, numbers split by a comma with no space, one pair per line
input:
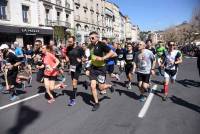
[170,74]
[143,77]
[98,74]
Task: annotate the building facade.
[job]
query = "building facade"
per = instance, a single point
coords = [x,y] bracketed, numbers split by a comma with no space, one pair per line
[56,13]
[88,16]
[27,20]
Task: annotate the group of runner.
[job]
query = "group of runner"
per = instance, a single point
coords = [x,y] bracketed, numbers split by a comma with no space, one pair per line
[96,59]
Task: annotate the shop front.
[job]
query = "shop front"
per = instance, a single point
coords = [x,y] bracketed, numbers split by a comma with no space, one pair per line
[24,35]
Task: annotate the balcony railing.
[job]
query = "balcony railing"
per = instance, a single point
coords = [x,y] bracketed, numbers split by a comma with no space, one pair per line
[47,0]
[67,5]
[61,23]
[58,2]
[86,19]
[48,22]
[77,17]
[57,23]
[77,2]
[85,6]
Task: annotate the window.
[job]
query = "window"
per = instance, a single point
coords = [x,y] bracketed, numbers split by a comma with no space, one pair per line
[2,12]
[47,14]
[58,16]
[25,14]
[67,17]
[78,27]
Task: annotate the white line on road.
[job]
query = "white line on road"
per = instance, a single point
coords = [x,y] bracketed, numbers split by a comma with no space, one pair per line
[19,101]
[147,103]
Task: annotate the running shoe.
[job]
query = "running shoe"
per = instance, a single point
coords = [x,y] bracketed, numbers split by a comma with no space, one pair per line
[72,102]
[164,98]
[13,98]
[96,107]
[142,98]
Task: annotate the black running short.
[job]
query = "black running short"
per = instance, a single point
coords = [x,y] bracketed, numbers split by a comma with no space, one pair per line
[143,77]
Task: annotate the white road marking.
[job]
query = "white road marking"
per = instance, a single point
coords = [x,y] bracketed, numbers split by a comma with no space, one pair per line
[147,103]
[19,101]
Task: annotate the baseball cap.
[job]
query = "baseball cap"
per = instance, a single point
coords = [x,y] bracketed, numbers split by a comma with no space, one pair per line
[4,46]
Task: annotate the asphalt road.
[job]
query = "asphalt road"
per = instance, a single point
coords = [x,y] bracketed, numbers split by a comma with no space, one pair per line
[118,113]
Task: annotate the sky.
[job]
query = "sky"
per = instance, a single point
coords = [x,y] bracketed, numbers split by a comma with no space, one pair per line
[157,14]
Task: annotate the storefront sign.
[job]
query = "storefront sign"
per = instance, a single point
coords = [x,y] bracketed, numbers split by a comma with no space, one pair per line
[29,30]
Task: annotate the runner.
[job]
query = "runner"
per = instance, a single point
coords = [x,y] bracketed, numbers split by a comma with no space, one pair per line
[120,58]
[50,72]
[145,62]
[99,53]
[160,50]
[110,62]
[74,56]
[172,59]
[11,70]
[130,64]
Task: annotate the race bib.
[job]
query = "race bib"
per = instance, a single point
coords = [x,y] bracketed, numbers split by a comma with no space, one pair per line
[72,68]
[101,79]
[120,56]
[129,57]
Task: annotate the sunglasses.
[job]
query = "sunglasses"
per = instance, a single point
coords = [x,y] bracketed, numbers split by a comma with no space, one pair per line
[171,45]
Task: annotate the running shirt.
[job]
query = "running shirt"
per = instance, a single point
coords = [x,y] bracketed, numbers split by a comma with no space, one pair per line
[129,57]
[170,58]
[18,51]
[144,61]
[49,61]
[120,54]
[100,49]
[12,59]
[160,51]
[111,61]
[73,54]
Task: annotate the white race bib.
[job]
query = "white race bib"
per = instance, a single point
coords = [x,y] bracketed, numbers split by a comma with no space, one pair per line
[72,68]
[129,57]
[101,79]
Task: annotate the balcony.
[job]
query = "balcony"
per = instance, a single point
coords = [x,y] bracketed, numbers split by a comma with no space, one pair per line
[47,1]
[61,23]
[77,2]
[77,17]
[92,9]
[85,6]
[67,5]
[58,2]
[86,19]
[48,22]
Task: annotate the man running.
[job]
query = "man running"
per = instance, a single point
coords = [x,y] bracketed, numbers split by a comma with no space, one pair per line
[160,50]
[99,53]
[11,69]
[145,62]
[130,64]
[74,56]
[171,61]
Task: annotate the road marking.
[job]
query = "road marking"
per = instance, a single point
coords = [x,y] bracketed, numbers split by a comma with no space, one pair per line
[147,103]
[19,101]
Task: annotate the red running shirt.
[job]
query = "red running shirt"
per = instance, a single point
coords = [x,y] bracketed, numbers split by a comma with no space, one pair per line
[49,61]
